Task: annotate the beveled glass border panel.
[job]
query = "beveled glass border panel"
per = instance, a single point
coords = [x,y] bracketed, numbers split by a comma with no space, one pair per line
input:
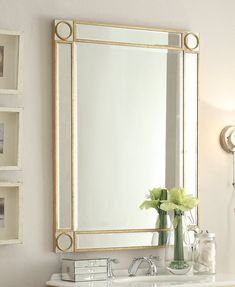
[72,39]
[63,141]
[191,62]
[112,240]
[127,35]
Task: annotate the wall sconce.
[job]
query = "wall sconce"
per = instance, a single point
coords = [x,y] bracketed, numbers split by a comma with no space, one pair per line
[227,142]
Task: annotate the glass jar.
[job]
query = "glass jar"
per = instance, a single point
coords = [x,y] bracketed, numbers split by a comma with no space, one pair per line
[204,253]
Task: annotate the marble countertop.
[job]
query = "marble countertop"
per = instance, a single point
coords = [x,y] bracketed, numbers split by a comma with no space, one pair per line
[152,281]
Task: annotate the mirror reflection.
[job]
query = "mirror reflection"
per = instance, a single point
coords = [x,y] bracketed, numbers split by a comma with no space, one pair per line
[128,121]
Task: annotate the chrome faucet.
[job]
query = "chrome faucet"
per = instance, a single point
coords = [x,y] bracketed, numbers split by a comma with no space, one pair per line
[136,262]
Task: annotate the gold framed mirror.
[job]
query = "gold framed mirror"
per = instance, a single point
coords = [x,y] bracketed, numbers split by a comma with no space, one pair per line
[125,121]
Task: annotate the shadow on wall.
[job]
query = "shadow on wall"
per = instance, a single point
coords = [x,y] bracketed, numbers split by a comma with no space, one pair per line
[45,105]
[216,194]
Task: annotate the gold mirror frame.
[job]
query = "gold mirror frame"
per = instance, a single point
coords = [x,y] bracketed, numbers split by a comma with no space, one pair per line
[72,233]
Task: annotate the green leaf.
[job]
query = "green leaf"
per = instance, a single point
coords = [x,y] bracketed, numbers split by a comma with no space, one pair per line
[167,206]
[190,202]
[155,193]
[176,195]
[164,200]
[149,204]
[177,199]
[183,208]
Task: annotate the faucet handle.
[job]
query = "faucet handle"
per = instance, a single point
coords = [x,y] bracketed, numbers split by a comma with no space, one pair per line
[110,266]
[114,260]
[193,227]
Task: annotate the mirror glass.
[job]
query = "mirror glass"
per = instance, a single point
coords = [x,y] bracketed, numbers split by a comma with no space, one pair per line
[129,118]
[125,122]
[63,135]
[190,124]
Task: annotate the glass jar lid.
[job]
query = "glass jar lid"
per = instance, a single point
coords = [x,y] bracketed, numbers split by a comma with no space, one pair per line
[205,234]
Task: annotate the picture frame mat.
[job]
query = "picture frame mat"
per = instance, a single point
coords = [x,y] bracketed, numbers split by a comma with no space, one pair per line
[10,159]
[12,232]
[9,84]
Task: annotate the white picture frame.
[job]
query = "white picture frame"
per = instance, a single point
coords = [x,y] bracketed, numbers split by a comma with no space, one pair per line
[10,138]
[11,194]
[11,50]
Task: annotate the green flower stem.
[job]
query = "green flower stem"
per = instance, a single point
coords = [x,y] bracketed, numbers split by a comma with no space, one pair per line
[178,240]
[163,235]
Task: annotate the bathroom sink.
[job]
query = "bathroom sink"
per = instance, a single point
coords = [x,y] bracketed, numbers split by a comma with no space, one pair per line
[173,280]
[152,281]
[162,280]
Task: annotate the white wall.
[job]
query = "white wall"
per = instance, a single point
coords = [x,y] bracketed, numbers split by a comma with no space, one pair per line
[32,263]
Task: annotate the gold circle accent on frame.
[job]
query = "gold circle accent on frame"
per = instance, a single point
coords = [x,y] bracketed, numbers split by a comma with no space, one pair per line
[187,45]
[58,244]
[70,30]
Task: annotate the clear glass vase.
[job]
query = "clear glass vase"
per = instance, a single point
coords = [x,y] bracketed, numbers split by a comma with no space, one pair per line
[163,227]
[178,257]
